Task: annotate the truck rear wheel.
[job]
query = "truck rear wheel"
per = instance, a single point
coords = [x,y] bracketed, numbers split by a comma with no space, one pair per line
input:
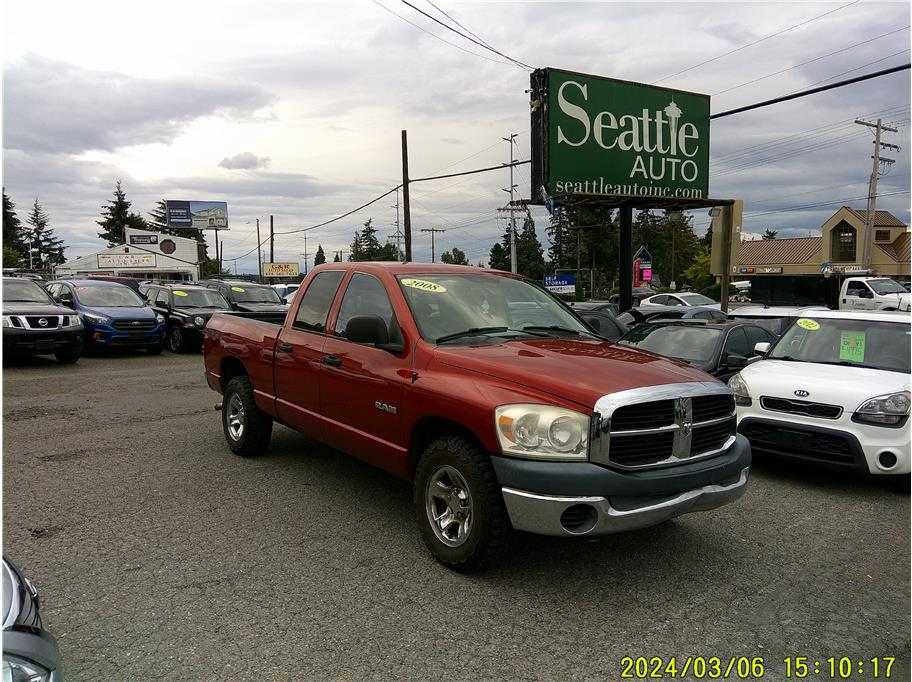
[459,505]
[247,429]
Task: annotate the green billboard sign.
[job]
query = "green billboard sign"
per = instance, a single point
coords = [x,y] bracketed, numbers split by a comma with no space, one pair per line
[605,137]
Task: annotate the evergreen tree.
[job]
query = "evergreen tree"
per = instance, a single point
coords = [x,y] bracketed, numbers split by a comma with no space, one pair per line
[770,234]
[319,256]
[117,216]
[338,257]
[559,237]
[366,247]
[47,249]
[454,257]
[530,260]
[499,258]
[13,246]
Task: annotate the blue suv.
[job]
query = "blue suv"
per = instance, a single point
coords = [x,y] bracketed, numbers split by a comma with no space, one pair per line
[113,314]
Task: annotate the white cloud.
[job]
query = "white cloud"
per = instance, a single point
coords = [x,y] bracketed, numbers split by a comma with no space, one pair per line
[244,161]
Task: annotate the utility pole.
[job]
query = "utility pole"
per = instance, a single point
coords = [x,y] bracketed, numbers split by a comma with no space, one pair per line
[405,197]
[271,241]
[398,235]
[509,140]
[433,231]
[340,252]
[872,185]
[221,255]
[305,253]
[259,254]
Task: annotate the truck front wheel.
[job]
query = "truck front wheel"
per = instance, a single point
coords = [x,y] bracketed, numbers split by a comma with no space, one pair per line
[459,505]
[247,429]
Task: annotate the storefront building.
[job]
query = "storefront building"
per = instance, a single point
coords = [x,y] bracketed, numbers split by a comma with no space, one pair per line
[145,255]
[810,270]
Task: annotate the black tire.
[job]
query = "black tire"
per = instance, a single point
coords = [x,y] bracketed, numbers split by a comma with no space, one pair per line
[177,342]
[485,538]
[68,357]
[256,427]
[155,349]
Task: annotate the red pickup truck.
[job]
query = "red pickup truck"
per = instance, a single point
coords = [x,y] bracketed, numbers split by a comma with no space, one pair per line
[490,394]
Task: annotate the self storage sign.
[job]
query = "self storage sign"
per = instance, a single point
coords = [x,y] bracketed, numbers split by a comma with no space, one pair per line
[599,136]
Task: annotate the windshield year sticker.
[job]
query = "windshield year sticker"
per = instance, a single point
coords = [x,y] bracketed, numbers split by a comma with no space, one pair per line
[424,285]
[852,346]
[811,325]
[240,290]
[180,293]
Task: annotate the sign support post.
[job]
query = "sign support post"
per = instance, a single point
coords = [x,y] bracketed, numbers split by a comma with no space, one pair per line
[727,225]
[625,257]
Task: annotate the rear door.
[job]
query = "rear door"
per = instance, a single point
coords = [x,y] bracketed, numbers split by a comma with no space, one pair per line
[299,355]
[360,385]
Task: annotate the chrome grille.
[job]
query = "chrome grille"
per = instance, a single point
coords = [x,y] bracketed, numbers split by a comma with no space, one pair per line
[802,407]
[134,325]
[663,425]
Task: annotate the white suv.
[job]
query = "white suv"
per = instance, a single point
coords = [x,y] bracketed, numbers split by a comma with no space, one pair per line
[834,389]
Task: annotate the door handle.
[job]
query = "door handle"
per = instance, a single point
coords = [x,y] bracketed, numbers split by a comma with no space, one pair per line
[332,360]
[285,347]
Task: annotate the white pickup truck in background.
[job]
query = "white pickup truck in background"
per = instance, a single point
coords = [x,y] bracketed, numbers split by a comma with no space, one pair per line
[873,293]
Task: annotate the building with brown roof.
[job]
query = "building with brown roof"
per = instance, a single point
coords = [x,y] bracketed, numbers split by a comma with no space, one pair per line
[810,269]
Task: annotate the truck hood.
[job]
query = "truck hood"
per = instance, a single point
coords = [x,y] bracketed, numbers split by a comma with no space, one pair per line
[578,370]
[848,387]
[22,308]
[121,313]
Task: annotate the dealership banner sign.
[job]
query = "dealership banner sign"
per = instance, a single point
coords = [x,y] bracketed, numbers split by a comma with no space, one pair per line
[605,137]
[198,215]
[126,260]
[280,270]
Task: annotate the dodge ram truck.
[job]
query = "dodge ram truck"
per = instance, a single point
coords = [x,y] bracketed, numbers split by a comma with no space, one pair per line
[502,406]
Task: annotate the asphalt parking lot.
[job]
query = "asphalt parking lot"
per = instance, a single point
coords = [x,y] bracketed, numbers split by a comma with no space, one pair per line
[160,555]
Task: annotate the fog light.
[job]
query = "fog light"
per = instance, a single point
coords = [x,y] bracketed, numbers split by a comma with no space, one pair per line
[96,336]
[887,460]
[579,519]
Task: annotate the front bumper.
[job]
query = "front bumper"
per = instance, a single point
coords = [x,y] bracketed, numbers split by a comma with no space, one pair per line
[105,335]
[40,341]
[33,644]
[571,499]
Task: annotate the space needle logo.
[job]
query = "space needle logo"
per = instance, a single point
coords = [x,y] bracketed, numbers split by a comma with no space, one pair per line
[652,147]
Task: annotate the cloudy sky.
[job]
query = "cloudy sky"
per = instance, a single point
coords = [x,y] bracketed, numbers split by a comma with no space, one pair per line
[294,109]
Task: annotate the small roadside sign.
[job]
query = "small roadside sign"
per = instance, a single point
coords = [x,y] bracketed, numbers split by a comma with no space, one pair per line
[560,284]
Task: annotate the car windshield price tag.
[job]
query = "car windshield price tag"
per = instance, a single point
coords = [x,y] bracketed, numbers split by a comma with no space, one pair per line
[240,290]
[180,293]
[852,346]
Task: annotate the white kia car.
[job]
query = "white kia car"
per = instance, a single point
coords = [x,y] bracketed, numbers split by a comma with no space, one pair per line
[834,388]
[685,299]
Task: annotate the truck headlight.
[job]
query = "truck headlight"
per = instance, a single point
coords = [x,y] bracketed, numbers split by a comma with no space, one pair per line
[73,321]
[199,321]
[542,432]
[6,321]
[885,409]
[17,669]
[96,319]
[739,388]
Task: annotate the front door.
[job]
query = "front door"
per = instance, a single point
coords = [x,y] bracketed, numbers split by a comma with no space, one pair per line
[299,355]
[361,386]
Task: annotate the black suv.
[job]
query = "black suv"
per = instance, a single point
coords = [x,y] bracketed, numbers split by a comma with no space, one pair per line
[247,297]
[33,324]
[187,309]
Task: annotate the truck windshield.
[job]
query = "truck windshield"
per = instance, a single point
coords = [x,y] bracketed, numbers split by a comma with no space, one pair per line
[886,286]
[252,294]
[24,291]
[448,305]
[693,344]
[861,343]
[108,296]
[198,298]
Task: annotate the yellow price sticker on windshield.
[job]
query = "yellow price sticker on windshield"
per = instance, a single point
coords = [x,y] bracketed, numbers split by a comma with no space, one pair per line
[811,325]
[423,285]
[180,293]
[238,289]
[852,346]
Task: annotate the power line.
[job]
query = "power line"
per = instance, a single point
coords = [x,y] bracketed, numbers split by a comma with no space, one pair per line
[456,21]
[344,215]
[759,40]
[469,38]
[858,68]
[811,61]
[434,35]
[804,93]
[471,172]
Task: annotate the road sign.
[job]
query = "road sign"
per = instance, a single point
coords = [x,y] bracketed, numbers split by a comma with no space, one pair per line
[280,270]
[560,284]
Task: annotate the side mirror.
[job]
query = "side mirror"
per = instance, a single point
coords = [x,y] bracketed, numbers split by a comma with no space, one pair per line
[733,361]
[367,329]
[761,348]
[593,322]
